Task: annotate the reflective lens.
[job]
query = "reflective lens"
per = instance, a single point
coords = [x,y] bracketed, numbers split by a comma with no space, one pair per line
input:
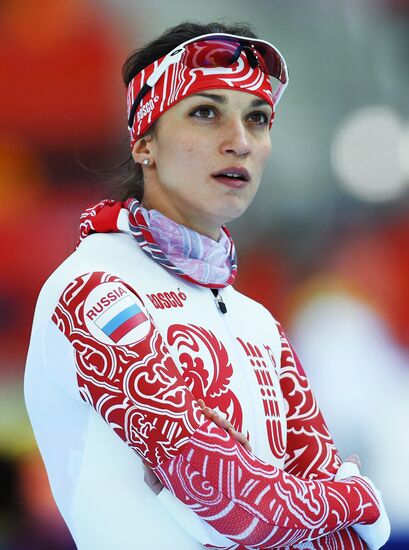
[271,62]
[211,54]
[224,52]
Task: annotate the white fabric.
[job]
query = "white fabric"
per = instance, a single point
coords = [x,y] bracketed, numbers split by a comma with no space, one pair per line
[97,481]
[198,529]
[376,534]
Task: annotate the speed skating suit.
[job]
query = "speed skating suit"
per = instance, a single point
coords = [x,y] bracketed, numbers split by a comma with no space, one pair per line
[121,349]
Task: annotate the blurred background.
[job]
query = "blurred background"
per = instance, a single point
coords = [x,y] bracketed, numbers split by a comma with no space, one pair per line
[325,245]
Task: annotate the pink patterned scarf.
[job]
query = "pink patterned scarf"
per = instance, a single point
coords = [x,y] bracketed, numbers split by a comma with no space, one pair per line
[179,249]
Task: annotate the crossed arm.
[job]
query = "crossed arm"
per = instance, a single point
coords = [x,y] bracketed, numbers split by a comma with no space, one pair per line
[140,393]
[310,452]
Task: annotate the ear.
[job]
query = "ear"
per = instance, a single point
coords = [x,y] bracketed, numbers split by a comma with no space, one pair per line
[143,149]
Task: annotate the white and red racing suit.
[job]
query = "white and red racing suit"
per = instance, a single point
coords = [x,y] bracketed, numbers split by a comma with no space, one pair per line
[121,349]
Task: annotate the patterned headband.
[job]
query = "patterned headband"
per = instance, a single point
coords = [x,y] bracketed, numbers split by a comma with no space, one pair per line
[180,81]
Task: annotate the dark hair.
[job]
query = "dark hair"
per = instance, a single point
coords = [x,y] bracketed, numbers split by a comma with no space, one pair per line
[132,184]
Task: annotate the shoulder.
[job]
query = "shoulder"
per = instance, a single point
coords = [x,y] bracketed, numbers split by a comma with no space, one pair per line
[99,259]
[102,307]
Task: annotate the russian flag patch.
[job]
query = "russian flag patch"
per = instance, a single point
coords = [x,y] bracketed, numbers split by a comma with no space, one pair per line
[114,315]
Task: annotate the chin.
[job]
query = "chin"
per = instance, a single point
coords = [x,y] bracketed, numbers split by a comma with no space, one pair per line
[231,214]
[235,208]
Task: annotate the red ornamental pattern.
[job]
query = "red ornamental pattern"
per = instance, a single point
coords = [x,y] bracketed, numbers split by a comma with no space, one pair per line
[310,451]
[206,369]
[346,539]
[100,218]
[253,503]
[140,393]
[268,393]
[135,388]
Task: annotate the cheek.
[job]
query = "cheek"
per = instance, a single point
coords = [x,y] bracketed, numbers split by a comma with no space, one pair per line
[172,157]
[181,167]
[182,147]
[265,151]
[185,156]
[263,154]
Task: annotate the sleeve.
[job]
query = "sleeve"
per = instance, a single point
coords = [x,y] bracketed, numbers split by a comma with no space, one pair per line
[125,371]
[200,530]
[310,451]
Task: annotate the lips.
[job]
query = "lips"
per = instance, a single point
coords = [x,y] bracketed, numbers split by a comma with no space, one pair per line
[234,176]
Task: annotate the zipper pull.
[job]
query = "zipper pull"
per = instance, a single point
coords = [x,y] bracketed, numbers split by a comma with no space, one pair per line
[219,300]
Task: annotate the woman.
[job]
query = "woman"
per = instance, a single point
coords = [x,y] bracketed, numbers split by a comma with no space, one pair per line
[140,334]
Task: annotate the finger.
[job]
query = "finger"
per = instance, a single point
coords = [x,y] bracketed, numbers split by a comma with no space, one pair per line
[149,473]
[355,459]
[210,413]
[146,469]
[237,435]
[353,456]
[213,415]
[150,477]
[241,438]
[222,422]
[247,446]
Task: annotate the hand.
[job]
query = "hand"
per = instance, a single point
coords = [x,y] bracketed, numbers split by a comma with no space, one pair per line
[224,423]
[349,468]
[355,460]
[151,479]
[374,534]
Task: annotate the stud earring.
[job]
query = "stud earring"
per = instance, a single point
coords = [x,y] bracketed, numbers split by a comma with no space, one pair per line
[146,162]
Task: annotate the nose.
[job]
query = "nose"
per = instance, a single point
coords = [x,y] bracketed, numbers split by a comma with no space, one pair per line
[235,138]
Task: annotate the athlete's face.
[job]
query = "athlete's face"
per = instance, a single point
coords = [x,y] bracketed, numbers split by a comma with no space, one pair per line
[208,134]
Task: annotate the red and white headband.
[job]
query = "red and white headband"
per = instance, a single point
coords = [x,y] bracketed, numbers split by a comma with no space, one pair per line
[205,62]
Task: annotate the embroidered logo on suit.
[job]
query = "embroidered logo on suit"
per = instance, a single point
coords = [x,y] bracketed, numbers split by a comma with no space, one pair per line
[207,370]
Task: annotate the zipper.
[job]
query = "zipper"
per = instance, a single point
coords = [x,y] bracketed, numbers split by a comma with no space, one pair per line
[219,300]
[242,369]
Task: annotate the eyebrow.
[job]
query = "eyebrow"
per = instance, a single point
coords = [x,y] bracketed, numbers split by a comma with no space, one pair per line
[257,102]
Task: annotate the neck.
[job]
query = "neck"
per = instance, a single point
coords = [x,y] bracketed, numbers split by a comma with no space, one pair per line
[193,255]
[200,226]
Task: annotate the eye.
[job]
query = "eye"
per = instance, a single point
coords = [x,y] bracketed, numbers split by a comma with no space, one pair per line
[259,117]
[203,111]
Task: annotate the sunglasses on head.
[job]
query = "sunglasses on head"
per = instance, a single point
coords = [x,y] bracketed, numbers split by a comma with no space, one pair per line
[218,50]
